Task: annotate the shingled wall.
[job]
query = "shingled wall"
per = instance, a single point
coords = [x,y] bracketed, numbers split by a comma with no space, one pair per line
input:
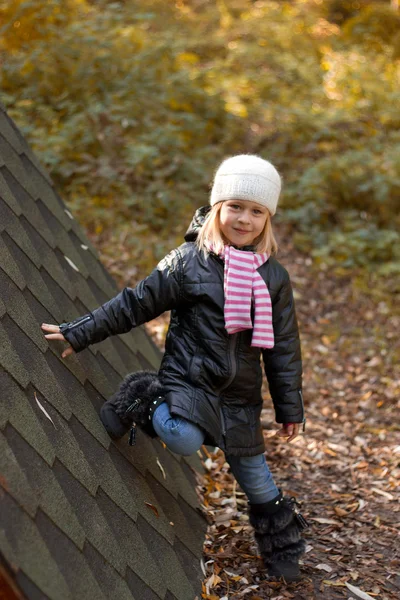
[81,517]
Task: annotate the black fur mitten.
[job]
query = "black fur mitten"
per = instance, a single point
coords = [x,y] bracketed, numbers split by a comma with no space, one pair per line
[144,386]
[135,402]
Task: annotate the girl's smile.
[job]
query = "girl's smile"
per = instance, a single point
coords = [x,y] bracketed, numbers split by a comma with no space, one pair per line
[242,221]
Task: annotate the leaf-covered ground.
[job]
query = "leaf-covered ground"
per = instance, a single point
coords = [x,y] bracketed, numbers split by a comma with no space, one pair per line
[344,470]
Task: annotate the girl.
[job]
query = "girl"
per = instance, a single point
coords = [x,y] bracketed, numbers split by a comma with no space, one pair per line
[231,301]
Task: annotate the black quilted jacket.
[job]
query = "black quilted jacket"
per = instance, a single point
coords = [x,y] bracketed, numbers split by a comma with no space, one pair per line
[211,378]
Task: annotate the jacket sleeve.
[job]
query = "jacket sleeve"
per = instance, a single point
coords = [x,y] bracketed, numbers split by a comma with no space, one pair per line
[157,293]
[282,363]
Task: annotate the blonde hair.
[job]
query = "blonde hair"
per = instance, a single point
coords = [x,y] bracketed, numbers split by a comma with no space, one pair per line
[210,233]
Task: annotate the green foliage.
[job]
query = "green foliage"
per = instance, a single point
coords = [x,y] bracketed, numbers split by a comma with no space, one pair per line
[376,25]
[355,180]
[339,11]
[132,108]
[113,112]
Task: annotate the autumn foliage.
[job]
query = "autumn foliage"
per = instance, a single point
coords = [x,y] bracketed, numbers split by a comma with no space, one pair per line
[132,105]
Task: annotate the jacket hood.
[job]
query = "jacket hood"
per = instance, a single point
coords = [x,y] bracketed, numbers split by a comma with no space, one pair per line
[197,223]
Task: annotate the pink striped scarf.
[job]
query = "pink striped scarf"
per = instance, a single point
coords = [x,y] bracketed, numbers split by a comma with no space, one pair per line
[242,282]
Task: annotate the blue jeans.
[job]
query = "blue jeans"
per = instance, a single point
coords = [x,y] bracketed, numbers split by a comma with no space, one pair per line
[184,437]
[181,436]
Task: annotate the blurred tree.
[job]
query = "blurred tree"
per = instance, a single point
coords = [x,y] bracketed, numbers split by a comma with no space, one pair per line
[132,107]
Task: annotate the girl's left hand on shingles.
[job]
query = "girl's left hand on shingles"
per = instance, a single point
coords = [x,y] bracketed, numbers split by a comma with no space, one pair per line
[289,430]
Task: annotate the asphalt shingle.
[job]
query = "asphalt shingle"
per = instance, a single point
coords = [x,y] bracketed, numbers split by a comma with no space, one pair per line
[111,583]
[19,310]
[9,358]
[139,587]
[25,200]
[17,410]
[145,500]
[46,254]
[31,552]
[10,134]
[13,479]
[62,238]
[6,194]
[171,569]
[91,519]
[46,193]
[107,474]
[181,527]
[132,544]
[12,224]
[80,404]
[71,564]
[9,265]
[67,449]
[35,364]
[82,516]
[32,276]
[46,490]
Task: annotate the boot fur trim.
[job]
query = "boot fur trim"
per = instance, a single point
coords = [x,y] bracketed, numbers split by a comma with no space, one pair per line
[278,537]
[143,385]
[273,523]
[290,553]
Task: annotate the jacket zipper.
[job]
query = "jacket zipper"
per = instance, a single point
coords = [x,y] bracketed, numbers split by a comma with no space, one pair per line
[88,318]
[232,355]
[302,408]
[222,421]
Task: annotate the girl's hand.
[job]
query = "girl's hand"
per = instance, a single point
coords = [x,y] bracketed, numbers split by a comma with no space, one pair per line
[56,335]
[289,430]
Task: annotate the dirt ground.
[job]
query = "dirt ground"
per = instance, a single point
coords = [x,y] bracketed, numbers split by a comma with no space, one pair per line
[344,470]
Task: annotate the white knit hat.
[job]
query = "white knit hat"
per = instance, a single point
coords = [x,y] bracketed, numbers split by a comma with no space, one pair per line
[247,177]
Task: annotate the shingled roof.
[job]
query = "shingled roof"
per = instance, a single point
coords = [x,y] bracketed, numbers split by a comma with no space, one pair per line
[81,517]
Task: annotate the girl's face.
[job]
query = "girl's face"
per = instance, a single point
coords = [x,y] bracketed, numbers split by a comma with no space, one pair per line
[242,221]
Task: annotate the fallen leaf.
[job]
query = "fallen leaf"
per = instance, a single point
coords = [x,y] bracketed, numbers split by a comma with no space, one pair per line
[71,264]
[153,508]
[340,512]
[324,567]
[161,469]
[374,362]
[42,408]
[382,493]
[359,593]
[212,582]
[203,568]
[249,589]
[334,583]
[325,521]
[231,573]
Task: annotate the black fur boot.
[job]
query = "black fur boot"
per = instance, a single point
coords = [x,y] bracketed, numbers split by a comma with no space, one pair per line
[277,527]
[133,404]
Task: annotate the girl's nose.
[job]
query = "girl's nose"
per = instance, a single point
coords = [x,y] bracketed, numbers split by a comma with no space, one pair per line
[244,218]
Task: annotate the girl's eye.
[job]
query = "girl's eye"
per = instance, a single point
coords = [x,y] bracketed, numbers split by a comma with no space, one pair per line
[235,205]
[257,212]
